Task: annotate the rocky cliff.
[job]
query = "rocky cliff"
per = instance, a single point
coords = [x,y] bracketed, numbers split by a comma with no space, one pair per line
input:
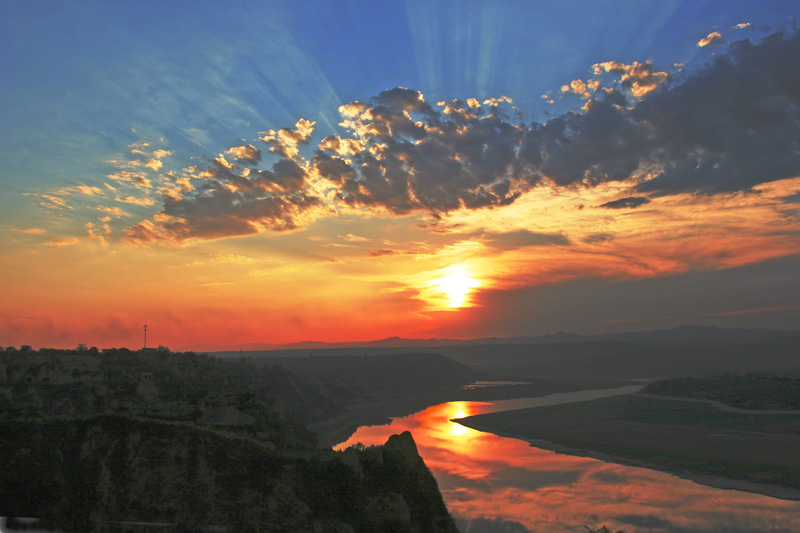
[117,473]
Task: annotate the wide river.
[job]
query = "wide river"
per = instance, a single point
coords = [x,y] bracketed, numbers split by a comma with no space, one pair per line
[498,484]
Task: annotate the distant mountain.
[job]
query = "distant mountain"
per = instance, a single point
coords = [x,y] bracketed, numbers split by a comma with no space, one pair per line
[680,335]
[699,335]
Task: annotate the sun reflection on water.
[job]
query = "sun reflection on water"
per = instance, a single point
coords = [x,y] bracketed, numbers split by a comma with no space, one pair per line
[456,429]
[486,477]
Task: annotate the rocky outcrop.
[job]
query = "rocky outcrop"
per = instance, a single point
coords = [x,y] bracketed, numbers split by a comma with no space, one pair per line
[115,473]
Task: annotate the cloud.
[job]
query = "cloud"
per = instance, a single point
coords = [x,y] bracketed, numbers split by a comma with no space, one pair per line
[792,198]
[598,238]
[712,38]
[285,141]
[726,126]
[353,238]
[581,88]
[418,158]
[132,169]
[135,201]
[113,211]
[639,78]
[138,179]
[629,202]
[742,25]
[62,241]
[145,232]
[89,191]
[521,238]
[30,231]
[51,201]
[246,154]
[731,126]
[100,234]
[225,259]
[382,252]
[153,162]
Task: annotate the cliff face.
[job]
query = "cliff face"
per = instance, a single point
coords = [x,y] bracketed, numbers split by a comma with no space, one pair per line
[109,472]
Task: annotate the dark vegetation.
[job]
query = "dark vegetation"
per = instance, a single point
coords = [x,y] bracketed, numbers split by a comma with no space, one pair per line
[364,376]
[746,391]
[330,383]
[89,439]
[111,472]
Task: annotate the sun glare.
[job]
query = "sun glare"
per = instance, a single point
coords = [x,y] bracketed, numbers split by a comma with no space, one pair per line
[456,429]
[456,286]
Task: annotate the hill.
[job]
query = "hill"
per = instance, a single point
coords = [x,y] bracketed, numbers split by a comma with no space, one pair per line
[129,440]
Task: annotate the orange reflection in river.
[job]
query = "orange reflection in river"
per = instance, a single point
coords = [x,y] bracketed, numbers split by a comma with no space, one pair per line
[493,483]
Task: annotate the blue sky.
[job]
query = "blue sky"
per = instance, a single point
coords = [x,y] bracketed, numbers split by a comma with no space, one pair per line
[101,101]
[85,80]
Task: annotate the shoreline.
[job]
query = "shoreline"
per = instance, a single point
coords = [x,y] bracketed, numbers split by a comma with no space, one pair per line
[709,480]
[341,427]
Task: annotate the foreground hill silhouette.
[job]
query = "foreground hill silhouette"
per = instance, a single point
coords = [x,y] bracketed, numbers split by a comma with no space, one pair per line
[123,440]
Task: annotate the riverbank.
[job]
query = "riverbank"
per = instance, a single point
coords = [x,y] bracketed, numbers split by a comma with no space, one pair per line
[338,429]
[721,450]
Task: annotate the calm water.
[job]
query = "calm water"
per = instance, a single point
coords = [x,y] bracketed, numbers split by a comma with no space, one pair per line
[498,484]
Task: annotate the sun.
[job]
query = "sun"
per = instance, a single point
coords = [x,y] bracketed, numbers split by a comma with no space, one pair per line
[456,286]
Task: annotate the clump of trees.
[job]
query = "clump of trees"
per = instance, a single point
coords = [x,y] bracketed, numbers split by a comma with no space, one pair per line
[760,391]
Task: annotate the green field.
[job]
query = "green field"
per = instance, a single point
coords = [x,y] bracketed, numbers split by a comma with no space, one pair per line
[678,436]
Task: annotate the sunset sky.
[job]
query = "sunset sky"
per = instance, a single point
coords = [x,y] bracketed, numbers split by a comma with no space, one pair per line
[243,172]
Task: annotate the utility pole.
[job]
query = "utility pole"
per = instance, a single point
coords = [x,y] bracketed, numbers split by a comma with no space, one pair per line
[145,337]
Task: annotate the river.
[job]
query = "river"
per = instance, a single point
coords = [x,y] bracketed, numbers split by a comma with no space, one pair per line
[494,484]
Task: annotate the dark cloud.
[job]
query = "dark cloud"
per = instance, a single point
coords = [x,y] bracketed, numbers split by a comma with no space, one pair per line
[599,237]
[792,198]
[231,201]
[416,158]
[601,144]
[381,252]
[628,202]
[518,239]
[728,126]
[246,154]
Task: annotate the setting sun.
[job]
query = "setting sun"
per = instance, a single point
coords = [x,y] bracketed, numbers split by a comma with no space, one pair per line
[457,287]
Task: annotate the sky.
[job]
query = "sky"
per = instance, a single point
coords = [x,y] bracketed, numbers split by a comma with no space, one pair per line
[272,172]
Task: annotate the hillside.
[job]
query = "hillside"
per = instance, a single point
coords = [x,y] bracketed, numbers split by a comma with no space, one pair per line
[355,377]
[112,471]
[122,440]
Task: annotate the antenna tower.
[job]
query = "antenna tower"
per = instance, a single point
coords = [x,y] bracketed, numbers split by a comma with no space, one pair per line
[145,337]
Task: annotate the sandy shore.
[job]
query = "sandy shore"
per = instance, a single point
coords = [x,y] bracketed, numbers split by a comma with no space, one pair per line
[719,482]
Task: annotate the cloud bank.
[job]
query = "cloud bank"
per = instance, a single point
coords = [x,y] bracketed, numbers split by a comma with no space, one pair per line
[727,126]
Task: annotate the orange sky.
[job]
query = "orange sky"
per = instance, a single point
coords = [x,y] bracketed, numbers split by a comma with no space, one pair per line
[227,194]
[328,282]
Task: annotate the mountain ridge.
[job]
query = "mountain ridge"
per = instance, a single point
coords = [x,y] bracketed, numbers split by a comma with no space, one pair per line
[681,334]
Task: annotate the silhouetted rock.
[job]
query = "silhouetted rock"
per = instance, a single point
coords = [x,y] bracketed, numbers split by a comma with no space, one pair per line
[91,474]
